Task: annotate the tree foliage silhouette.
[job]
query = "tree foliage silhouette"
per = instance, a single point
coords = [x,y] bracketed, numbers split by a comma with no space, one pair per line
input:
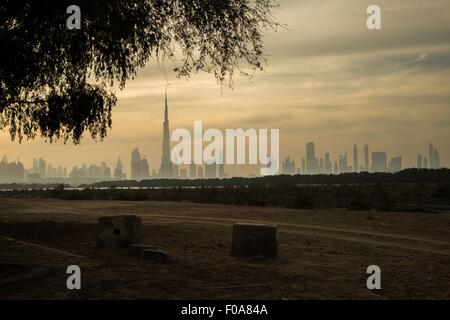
[61,83]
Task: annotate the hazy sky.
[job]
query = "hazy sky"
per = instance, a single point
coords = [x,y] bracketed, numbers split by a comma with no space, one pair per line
[328,80]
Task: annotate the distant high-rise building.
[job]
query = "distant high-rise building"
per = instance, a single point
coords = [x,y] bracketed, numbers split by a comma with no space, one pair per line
[54,172]
[425,162]
[166,163]
[118,171]
[193,170]
[222,171]
[343,164]
[175,169]
[12,171]
[36,166]
[105,171]
[310,158]
[379,162]
[50,171]
[139,166]
[366,157]
[183,174]
[135,164]
[431,156]
[145,169]
[336,168]
[210,169]
[303,166]
[395,165]
[328,165]
[419,161]
[200,174]
[355,158]
[288,166]
[221,166]
[437,159]
[42,168]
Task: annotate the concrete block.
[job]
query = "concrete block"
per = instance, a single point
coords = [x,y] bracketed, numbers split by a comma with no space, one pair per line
[152,254]
[136,249]
[118,231]
[250,240]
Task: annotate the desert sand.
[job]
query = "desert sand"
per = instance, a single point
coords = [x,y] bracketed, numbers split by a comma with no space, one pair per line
[322,254]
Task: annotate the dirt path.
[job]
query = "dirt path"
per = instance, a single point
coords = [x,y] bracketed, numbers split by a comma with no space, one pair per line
[372,238]
[379,239]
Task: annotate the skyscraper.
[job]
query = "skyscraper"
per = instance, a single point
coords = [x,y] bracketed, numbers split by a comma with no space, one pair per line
[343,165]
[303,165]
[431,156]
[210,169]
[221,171]
[11,172]
[310,158]
[379,162]
[437,160]
[118,171]
[200,174]
[166,163]
[355,159]
[193,170]
[328,164]
[395,164]
[36,166]
[42,168]
[366,157]
[419,161]
[288,166]
[335,168]
[222,166]
[135,164]
[139,166]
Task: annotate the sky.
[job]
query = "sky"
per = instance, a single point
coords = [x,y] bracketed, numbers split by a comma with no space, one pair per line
[328,79]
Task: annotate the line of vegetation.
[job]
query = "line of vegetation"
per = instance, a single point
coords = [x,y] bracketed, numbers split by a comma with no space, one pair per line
[419,197]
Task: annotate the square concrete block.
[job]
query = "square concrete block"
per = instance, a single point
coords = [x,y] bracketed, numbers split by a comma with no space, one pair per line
[136,249]
[251,240]
[118,231]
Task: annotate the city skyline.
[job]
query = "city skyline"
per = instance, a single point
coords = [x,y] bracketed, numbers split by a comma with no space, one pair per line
[312,163]
[140,169]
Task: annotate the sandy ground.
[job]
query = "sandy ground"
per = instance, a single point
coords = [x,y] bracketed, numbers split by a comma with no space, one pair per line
[322,254]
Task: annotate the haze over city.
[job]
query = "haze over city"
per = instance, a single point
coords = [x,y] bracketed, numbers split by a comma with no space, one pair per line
[330,81]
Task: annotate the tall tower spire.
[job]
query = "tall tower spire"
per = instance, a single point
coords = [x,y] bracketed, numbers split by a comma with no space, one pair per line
[166,163]
[166,108]
[366,157]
